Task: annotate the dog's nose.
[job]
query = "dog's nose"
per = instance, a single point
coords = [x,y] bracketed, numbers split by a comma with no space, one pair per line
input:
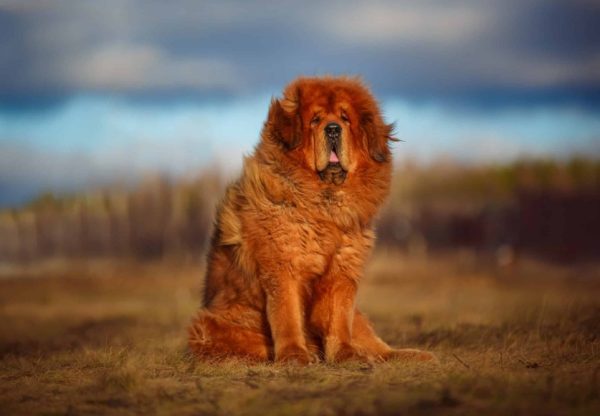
[333,130]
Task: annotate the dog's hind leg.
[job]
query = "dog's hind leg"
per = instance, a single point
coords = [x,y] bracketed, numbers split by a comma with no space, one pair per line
[217,336]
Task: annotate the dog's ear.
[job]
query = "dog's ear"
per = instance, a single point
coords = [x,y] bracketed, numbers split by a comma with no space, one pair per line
[378,135]
[284,124]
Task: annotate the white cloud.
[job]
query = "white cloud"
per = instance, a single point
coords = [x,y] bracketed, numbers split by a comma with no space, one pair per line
[137,67]
[426,22]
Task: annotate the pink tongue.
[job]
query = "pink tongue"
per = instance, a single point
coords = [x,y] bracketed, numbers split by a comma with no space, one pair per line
[333,158]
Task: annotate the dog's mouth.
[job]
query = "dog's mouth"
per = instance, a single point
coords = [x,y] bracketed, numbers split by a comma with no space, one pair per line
[333,157]
[333,172]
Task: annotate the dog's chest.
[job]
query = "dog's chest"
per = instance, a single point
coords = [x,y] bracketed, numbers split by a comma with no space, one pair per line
[305,235]
[311,242]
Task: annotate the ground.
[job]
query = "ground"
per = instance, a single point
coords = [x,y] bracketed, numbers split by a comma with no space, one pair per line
[106,337]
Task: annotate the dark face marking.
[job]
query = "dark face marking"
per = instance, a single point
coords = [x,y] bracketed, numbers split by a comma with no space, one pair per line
[333,173]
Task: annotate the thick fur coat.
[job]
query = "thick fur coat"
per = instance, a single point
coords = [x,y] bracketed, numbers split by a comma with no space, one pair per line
[292,235]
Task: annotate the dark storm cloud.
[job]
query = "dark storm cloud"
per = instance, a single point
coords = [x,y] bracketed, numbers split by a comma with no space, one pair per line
[509,51]
[565,28]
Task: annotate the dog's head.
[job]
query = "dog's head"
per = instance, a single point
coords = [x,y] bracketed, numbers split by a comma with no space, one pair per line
[329,125]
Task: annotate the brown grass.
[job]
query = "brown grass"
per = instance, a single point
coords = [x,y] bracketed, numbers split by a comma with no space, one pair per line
[109,338]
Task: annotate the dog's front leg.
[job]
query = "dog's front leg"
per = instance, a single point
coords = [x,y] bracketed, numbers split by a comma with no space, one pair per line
[286,320]
[332,317]
[333,309]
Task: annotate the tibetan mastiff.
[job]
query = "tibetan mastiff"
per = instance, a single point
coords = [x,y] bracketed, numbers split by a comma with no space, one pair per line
[293,233]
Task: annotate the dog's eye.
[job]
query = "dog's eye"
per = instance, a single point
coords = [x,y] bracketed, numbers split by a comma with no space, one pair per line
[345,118]
[315,120]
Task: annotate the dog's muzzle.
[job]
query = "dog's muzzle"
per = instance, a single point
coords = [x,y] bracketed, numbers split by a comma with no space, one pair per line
[333,173]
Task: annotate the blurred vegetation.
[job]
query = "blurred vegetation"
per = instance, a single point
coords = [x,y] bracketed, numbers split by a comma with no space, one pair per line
[547,208]
[156,218]
[543,207]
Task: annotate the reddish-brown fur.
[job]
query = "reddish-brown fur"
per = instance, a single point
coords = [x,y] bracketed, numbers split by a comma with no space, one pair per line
[289,245]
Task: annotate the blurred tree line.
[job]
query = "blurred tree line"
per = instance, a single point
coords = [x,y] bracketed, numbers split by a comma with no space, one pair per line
[157,218]
[547,208]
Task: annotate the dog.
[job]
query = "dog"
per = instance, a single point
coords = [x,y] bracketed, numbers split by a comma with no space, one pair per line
[293,233]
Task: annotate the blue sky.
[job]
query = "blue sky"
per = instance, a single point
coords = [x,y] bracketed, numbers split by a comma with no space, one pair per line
[96,92]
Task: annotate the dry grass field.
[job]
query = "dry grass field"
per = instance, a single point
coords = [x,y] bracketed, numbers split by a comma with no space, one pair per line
[100,337]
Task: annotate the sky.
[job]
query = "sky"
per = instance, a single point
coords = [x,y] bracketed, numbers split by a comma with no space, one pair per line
[96,92]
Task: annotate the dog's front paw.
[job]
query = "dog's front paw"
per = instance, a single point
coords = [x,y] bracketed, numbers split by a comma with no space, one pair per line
[294,354]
